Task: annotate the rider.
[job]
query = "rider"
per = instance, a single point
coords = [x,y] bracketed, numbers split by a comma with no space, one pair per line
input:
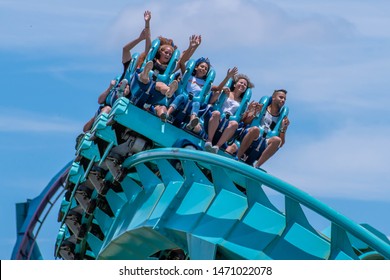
[255,148]
[110,95]
[194,86]
[230,106]
[159,64]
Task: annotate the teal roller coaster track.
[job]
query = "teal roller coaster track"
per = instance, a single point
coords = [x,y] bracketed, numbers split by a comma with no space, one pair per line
[150,200]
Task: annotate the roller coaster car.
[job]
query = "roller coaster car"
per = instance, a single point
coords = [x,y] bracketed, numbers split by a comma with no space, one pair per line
[141,97]
[181,117]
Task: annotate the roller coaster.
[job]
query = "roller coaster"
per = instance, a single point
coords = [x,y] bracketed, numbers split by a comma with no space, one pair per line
[139,188]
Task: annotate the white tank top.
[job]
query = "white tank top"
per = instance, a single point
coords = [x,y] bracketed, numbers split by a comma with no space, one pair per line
[268,122]
[230,105]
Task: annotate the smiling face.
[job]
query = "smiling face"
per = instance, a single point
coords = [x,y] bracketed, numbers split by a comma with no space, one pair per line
[165,52]
[279,98]
[201,70]
[241,85]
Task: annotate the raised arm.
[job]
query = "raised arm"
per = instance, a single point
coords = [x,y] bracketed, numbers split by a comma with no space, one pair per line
[126,55]
[148,41]
[218,89]
[144,35]
[230,74]
[195,41]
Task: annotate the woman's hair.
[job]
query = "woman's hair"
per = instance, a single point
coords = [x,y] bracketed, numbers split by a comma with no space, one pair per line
[242,76]
[166,41]
[198,62]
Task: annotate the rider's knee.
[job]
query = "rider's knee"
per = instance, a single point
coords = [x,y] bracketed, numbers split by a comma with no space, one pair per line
[233,125]
[216,114]
[275,140]
[254,131]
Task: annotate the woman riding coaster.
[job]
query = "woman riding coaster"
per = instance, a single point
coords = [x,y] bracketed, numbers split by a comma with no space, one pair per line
[194,85]
[162,109]
[155,91]
[220,130]
[120,87]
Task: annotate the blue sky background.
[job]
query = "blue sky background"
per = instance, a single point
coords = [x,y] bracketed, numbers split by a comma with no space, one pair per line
[332,56]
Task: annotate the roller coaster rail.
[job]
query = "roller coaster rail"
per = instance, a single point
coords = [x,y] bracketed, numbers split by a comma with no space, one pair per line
[289,191]
[33,213]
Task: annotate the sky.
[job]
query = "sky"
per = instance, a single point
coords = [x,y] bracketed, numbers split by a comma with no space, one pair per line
[333,57]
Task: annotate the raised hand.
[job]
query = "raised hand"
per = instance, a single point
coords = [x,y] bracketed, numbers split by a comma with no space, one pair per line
[195,41]
[198,39]
[147,17]
[232,72]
